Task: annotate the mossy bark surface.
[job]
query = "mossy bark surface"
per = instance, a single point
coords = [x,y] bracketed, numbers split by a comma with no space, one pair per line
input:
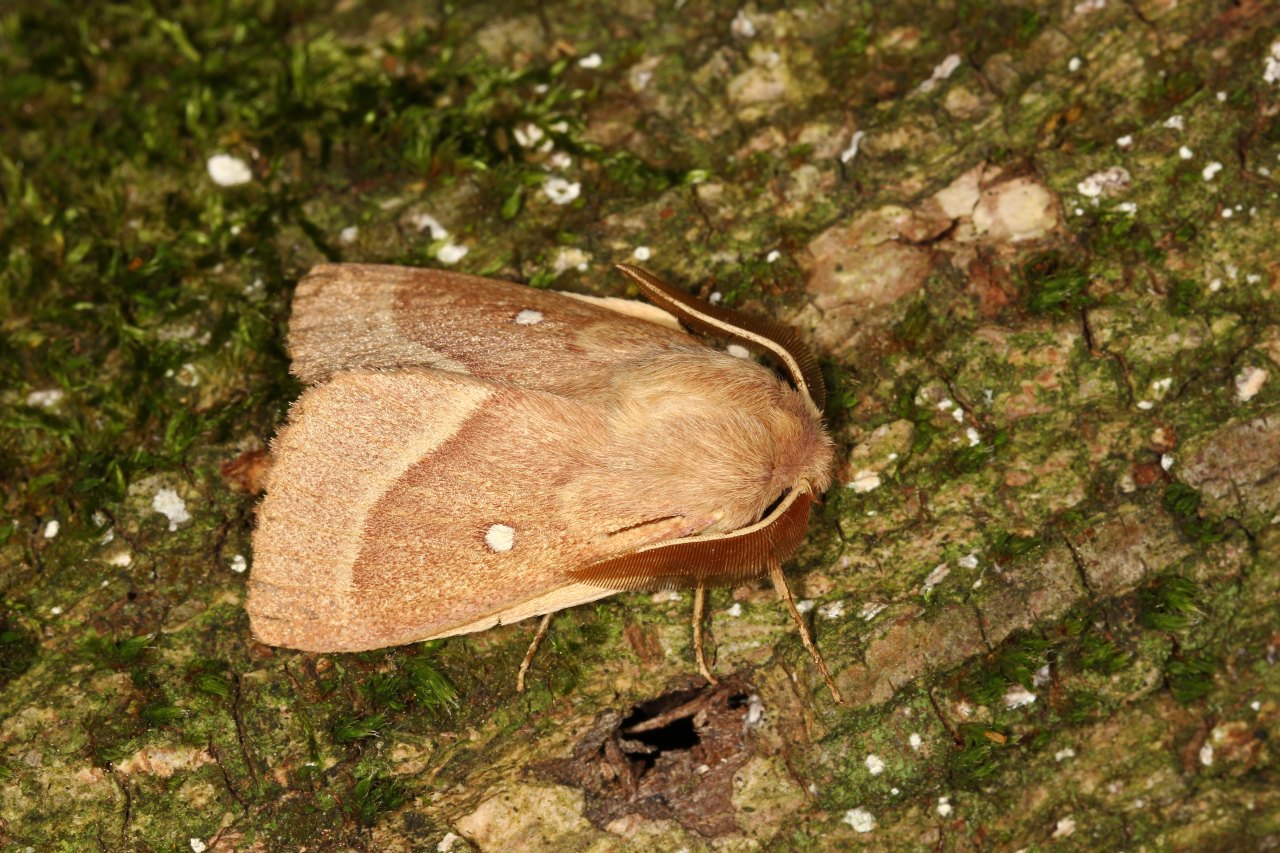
[1036,245]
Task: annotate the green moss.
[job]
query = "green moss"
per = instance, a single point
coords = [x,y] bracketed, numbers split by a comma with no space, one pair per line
[374,794]
[978,754]
[17,651]
[1169,604]
[1183,503]
[1052,284]
[1190,677]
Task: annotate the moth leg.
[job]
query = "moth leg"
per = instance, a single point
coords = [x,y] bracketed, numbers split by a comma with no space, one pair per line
[533,647]
[699,605]
[780,584]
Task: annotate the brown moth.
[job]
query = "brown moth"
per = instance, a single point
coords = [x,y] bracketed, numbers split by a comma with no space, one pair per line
[473,452]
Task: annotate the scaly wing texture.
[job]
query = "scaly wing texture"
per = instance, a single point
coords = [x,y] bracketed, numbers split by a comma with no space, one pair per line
[405,505]
[354,316]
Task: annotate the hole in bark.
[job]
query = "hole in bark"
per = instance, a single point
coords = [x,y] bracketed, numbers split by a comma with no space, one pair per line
[671,757]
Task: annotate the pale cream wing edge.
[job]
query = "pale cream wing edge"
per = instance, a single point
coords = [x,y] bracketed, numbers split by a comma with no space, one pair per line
[557,599]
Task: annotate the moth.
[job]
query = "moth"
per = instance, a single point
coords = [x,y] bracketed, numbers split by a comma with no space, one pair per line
[472,452]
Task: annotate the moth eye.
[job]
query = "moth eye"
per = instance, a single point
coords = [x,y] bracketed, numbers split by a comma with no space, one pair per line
[528,317]
[500,538]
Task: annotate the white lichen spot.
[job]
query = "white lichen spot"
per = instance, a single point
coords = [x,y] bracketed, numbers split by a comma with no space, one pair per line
[228,171]
[528,317]
[124,558]
[55,610]
[446,843]
[51,529]
[755,710]
[1222,97]
[958,416]
[45,399]
[1166,461]
[942,71]
[968,561]
[742,26]
[238,563]
[665,596]
[500,538]
[1125,141]
[738,351]
[560,160]
[570,258]
[1161,386]
[642,253]
[1074,63]
[1211,170]
[875,764]
[1042,677]
[864,481]
[1064,754]
[528,135]
[1175,122]
[1206,754]
[451,253]
[870,610]
[1146,405]
[772,257]
[935,577]
[1018,696]
[197,846]
[591,60]
[805,605]
[831,610]
[427,222]
[715,297]
[348,235]
[915,741]
[945,404]
[1107,181]
[944,807]
[736,610]
[560,190]
[860,819]
[847,155]
[170,504]
[1086,6]
[1249,382]
[1255,705]
[895,791]
[1128,207]
[1065,827]
[1271,68]
[1186,153]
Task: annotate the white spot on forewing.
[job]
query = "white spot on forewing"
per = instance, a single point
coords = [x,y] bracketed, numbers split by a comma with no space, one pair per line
[228,171]
[500,538]
[860,819]
[528,317]
[170,504]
